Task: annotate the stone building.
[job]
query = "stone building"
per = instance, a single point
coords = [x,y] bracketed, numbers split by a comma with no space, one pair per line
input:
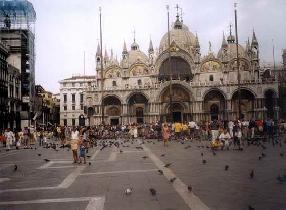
[137,89]
[72,100]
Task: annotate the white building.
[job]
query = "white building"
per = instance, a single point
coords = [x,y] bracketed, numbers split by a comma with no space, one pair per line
[72,100]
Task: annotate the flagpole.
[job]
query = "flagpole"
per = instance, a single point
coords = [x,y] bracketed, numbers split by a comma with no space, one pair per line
[101,67]
[237,63]
[170,68]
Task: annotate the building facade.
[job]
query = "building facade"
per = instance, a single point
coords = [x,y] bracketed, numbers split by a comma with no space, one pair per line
[17,21]
[179,84]
[3,86]
[72,94]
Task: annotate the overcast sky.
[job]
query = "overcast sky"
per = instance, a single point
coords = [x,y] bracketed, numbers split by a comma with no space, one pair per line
[65,29]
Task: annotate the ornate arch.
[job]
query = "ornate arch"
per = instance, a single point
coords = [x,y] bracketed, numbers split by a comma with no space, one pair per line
[130,95]
[232,64]
[243,88]
[138,69]
[272,90]
[214,89]
[112,96]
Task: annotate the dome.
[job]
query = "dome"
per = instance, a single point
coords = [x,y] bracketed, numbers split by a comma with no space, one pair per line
[181,35]
[231,51]
[137,55]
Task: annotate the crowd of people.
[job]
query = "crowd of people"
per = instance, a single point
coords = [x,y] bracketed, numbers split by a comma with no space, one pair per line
[217,133]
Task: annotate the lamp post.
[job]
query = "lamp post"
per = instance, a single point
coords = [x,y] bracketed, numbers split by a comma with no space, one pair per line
[237,63]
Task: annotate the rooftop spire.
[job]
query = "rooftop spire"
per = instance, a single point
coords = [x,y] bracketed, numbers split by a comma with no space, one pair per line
[181,15]
[230,38]
[105,55]
[197,44]
[178,24]
[254,40]
[224,43]
[151,49]
[98,51]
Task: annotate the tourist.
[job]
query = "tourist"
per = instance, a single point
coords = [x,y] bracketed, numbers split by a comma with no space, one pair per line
[74,143]
[10,138]
[82,151]
[237,134]
[26,137]
[165,134]
[225,139]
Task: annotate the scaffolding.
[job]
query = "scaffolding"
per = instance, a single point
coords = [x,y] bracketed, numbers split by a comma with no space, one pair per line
[17,14]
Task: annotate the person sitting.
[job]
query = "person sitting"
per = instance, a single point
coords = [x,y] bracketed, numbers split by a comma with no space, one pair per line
[215,144]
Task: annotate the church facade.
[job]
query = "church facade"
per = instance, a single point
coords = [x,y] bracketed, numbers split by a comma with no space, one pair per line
[180,84]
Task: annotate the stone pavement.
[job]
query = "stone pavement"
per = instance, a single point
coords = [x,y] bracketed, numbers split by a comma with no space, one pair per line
[60,184]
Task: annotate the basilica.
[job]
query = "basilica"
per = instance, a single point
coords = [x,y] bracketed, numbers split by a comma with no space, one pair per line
[177,83]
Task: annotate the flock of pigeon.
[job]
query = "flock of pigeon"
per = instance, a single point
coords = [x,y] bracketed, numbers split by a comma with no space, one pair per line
[120,144]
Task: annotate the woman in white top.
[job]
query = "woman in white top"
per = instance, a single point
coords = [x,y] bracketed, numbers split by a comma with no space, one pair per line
[74,143]
[225,139]
[10,138]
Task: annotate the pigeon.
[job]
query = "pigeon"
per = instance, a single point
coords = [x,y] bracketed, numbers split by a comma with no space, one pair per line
[263,147]
[121,151]
[128,191]
[88,156]
[47,160]
[204,161]
[152,191]
[89,163]
[207,147]
[162,155]
[139,147]
[251,174]
[39,154]
[144,157]
[226,167]
[202,154]
[250,208]
[173,179]
[160,172]
[263,154]
[187,147]
[259,158]
[281,154]
[190,188]
[167,165]
[15,167]
[214,153]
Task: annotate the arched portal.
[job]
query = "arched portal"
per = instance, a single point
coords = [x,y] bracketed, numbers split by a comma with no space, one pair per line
[112,109]
[81,120]
[137,107]
[179,110]
[179,67]
[214,105]
[247,100]
[270,103]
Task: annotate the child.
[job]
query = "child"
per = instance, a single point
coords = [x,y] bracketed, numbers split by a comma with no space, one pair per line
[82,151]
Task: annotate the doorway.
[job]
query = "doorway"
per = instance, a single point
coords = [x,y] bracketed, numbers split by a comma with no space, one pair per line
[177,116]
[139,115]
[114,121]
[214,110]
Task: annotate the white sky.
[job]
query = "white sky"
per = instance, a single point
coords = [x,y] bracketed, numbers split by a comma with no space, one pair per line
[67,28]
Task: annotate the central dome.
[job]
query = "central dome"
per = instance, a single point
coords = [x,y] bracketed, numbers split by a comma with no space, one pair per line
[181,35]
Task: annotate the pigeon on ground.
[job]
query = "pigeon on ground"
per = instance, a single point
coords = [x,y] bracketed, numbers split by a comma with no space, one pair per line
[162,155]
[160,172]
[89,163]
[128,191]
[39,154]
[263,146]
[250,208]
[120,151]
[263,154]
[167,165]
[214,153]
[190,188]
[88,156]
[226,167]
[202,154]
[173,179]
[281,154]
[15,167]
[144,157]
[187,147]
[152,191]
[204,161]
[251,174]
[139,147]
[47,160]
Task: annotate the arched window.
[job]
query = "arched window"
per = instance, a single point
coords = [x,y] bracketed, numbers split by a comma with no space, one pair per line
[211,77]
[114,83]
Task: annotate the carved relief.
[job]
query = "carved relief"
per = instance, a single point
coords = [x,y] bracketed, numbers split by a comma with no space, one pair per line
[210,66]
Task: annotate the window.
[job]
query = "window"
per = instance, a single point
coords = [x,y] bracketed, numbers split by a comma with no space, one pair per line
[73,98]
[64,84]
[65,98]
[73,107]
[65,108]
[65,122]
[114,83]
[211,78]
[81,107]
[139,82]
[81,98]
[73,122]
[73,84]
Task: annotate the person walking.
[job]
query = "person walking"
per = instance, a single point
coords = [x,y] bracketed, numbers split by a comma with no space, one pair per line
[10,138]
[165,134]
[74,143]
